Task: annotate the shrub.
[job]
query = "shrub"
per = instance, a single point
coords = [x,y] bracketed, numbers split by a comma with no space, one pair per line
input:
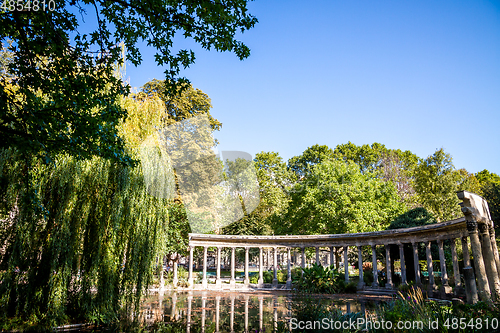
[319,279]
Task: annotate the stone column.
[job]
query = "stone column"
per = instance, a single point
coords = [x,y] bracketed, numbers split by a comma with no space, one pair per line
[275,262]
[332,255]
[337,258]
[402,261]
[456,270]
[268,259]
[303,261]
[190,274]
[175,279]
[470,279]
[218,282]
[442,263]
[430,268]
[388,266]
[346,265]
[494,246]
[416,264]
[317,256]
[232,281]
[204,281]
[361,283]
[246,282]
[329,259]
[375,268]
[261,268]
[483,288]
[489,261]
[289,268]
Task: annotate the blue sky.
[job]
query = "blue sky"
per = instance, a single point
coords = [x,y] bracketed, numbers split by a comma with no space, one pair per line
[418,76]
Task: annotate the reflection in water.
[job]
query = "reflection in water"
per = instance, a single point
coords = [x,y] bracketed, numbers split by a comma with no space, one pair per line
[231,312]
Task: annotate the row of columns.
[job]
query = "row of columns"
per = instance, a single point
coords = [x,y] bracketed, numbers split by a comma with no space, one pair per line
[484,252]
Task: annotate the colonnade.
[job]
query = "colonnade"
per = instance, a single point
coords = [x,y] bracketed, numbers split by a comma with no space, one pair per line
[481,282]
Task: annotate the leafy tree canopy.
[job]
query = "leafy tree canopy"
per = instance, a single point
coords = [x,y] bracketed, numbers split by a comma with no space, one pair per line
[337,198]
[62,94]
[413,218]
[436,186]
[313,155]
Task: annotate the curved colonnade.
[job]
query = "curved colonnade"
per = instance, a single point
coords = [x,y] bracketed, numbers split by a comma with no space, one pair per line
[476,226]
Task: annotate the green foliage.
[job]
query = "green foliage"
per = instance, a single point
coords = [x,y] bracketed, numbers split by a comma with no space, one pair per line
[490,190]
[392,165]
[411,306]
[63,95]
[413,218]
[436,185]
[274,179]
[319,279]
[338,198]
[302,165]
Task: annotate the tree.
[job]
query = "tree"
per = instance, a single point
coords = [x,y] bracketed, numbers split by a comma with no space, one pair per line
[490,190]
[62,95]
[313,155]
[274,180]
[391,165]
[337,198]
[436,186]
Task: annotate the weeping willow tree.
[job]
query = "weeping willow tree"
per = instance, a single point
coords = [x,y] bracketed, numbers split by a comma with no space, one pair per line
[82,240]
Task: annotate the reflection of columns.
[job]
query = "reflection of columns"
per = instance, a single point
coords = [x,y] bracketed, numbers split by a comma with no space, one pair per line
[275,262]
[430,268]
[346,265]
[190,300]
[217,303]
[203,312]
[374,266]
[403,265]
[175,279]
[261,268]
[332,256]
[388,269]
[218,282]
[275,313]
[204,281]
[489,261]
[232,281]
[231,318]
[442,264]
[470,279]
[247,280]
[289,269]
[246,313]
[317,256]
[361,282]
[190,274]
[416,264]
[456,271]
[173,316]
[261,312]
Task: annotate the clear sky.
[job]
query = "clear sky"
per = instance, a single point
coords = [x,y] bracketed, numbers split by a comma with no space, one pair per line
[413,75]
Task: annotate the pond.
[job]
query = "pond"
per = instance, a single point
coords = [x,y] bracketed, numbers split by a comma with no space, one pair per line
[258,311]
